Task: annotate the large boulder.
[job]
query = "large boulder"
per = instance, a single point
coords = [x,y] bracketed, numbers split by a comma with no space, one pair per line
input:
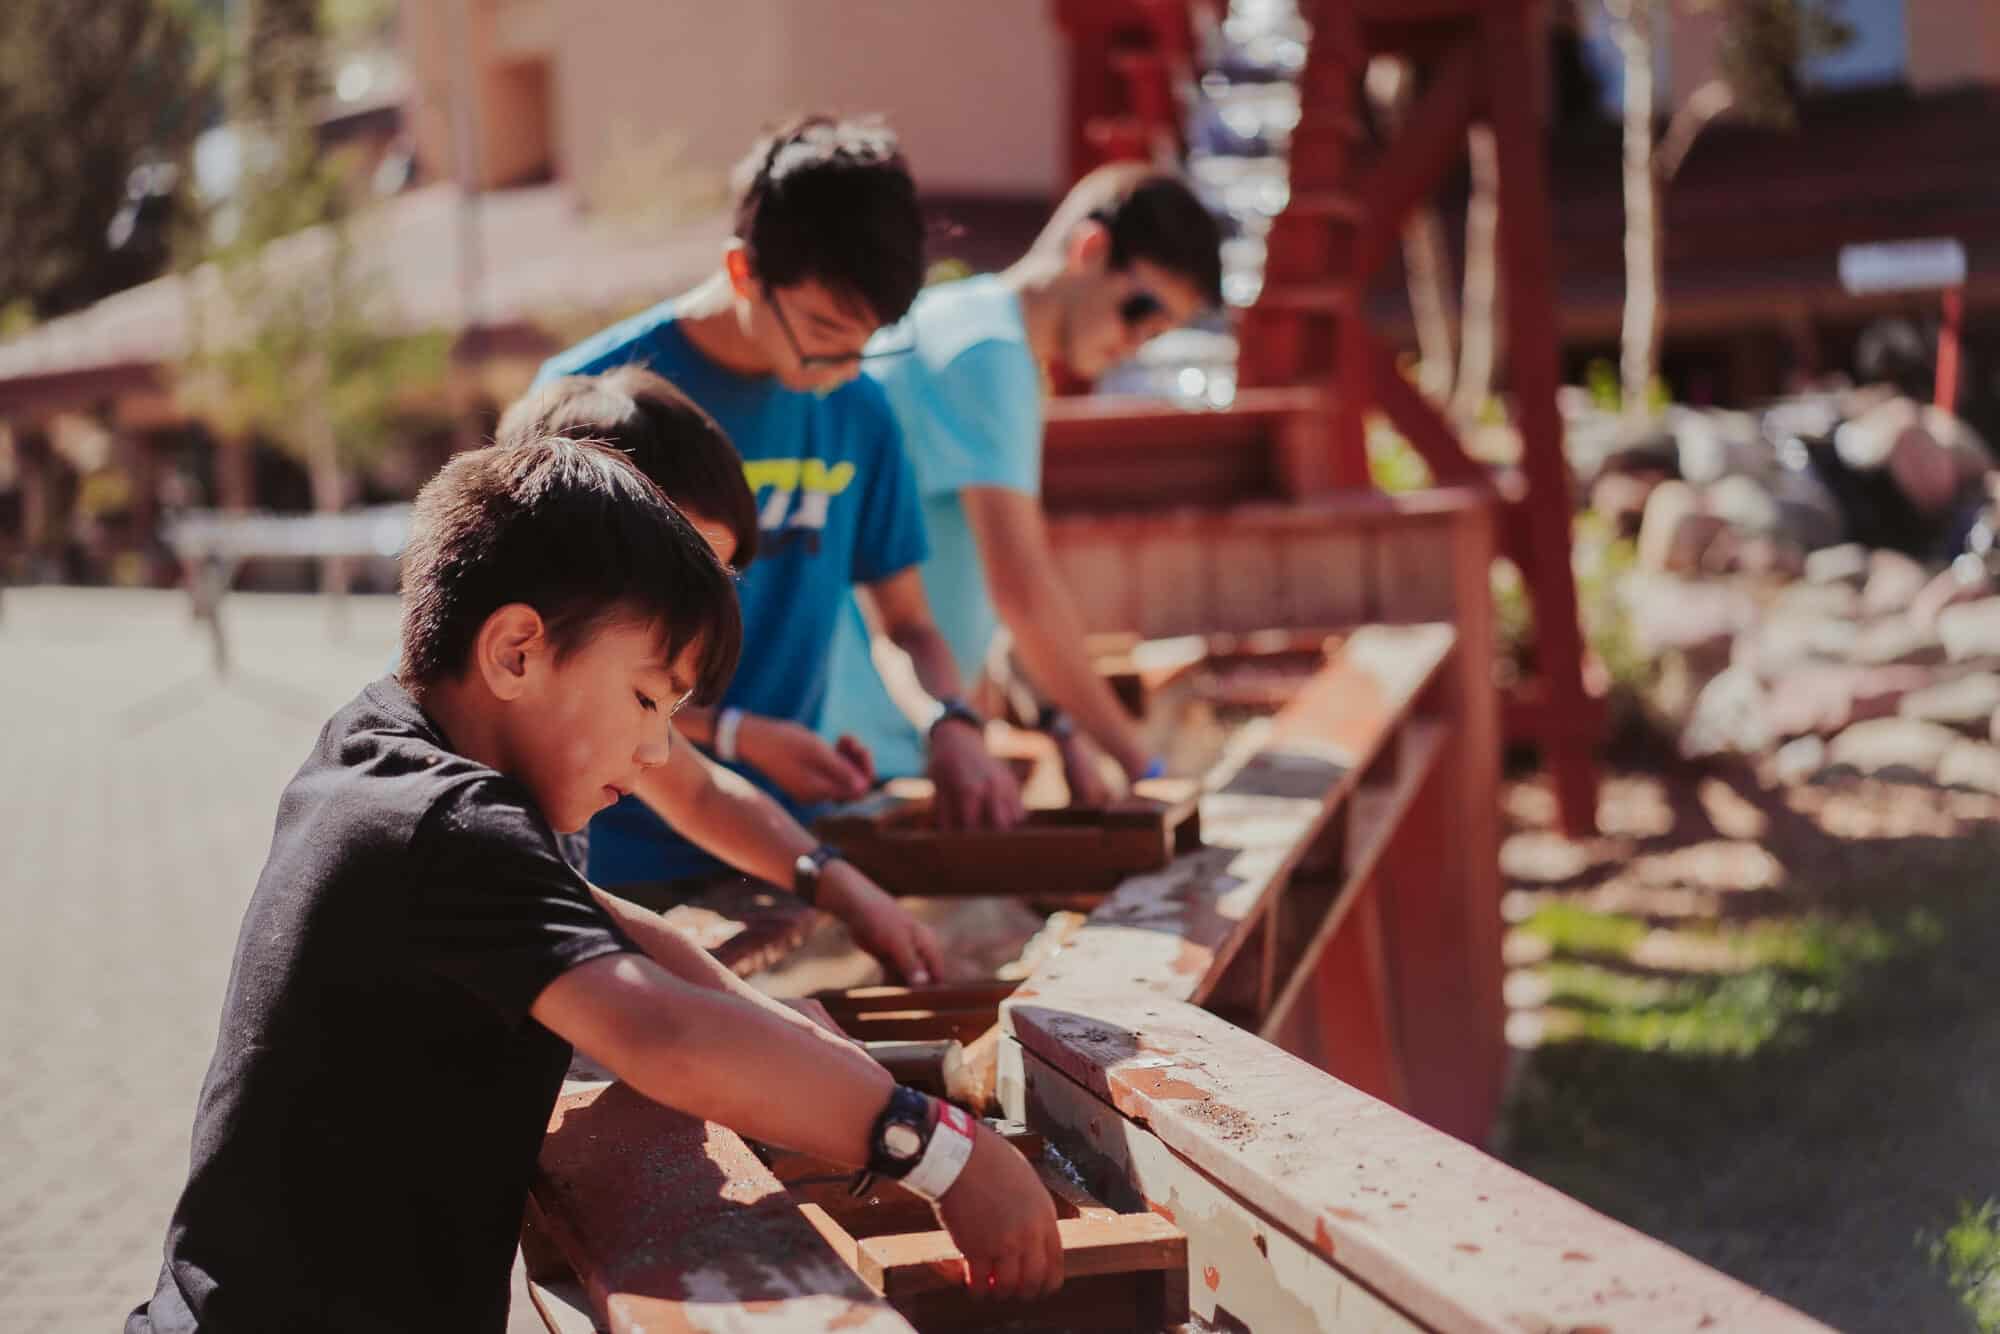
[1969,702]
[1826,698]
[1844,564]
[1730,714]
[1971,629]
[1908,745]
[1894,581]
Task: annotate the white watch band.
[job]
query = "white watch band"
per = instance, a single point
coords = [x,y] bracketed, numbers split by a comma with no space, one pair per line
[945,1157]
[727,724]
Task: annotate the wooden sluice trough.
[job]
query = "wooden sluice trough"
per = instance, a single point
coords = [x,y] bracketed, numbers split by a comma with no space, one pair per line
[1257,1074]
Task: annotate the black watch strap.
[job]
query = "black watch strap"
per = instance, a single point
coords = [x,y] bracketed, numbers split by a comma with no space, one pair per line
[807,869]
[953,709]
[901,1134]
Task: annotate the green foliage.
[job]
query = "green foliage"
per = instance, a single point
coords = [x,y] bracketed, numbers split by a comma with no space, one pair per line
[1969,1254]
[292,343]
[1393,462]
[1763,45]
[87,92]
[1607,394]
[1770,977]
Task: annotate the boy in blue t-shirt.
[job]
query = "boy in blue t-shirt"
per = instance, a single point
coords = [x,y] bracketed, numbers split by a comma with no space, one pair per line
[828,247]
[1129,254]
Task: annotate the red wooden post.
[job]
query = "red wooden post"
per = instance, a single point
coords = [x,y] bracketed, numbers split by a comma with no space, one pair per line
[1515,108]
[1946,395]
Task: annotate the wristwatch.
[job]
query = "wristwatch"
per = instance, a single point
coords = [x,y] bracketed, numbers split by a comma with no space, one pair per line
[953,709]
[806,871]
[920,1142]
[1055,723]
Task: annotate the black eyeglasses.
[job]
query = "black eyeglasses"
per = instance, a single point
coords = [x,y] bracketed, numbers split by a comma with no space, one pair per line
[812,361]
[1139,307]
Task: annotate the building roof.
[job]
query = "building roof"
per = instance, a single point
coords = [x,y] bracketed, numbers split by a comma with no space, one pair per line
[539,255]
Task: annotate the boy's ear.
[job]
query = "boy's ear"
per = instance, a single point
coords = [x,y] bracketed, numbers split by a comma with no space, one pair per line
[1089,248]
[509,648]
[736,263]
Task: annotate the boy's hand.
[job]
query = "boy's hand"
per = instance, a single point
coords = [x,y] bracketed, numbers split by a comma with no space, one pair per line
[999,1214]
[807,769]
[974,790]
[880,925]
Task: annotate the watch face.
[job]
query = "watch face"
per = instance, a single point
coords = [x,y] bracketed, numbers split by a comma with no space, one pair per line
[901,1141]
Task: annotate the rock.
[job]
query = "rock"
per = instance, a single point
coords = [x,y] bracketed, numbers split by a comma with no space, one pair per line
[1973,764]
[1799,761]
[1894,580]
[1621,498]
[1894,743]
[1743,503]
[1826,698]
[1896,641]
[1969,702]
[1817,600]
[1784,644]
[1675,532]
[1844,564]
[1730,714]
[1669,613]
[1971,629]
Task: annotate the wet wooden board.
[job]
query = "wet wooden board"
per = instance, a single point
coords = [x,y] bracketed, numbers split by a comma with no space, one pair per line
[1452,1237]
[1175,932]
[746,925]
[672,1223]
[892,837]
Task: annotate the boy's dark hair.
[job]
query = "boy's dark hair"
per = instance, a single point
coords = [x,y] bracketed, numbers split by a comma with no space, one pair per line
[574,530]
[1150,215]
[663,431]
[832,200]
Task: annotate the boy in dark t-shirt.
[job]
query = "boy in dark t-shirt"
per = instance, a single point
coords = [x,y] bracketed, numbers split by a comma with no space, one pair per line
[417,958]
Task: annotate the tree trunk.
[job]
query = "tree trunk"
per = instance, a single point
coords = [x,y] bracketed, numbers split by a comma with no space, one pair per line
[1640,337]
[1479,325]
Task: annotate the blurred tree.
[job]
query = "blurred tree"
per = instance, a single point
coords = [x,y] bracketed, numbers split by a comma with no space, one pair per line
[1759,49]
[89,93]
[295,338]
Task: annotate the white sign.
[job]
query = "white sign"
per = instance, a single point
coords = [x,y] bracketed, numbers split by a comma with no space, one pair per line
[1902,266]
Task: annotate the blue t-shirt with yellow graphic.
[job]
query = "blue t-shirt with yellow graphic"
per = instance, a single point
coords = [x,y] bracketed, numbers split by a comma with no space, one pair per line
[837,506]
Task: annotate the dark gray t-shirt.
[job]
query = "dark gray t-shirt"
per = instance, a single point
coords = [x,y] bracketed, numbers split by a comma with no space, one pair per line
[371,1116]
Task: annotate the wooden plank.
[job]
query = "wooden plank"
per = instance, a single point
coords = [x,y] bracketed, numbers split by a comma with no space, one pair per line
[674,1224]
[1068,851]
[1174,932]
[1377,815]
[904,1266]
[1456,1239]
[746,925]
[969,996]
[1244,1270]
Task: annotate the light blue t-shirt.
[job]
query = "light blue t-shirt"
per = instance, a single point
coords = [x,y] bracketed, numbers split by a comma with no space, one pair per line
[968,397]
[837,505]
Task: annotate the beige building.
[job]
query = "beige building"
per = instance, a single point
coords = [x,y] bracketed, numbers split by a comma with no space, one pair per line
[606,94]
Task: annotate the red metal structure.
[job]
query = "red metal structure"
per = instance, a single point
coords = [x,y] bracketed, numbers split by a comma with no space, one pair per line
[1480,61]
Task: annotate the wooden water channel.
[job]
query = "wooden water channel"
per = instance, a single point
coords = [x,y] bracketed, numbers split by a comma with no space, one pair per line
[1258,1076]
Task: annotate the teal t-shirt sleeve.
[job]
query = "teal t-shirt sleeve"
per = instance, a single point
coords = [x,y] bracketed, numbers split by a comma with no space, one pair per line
[891,537]
[992,395]
[623,344]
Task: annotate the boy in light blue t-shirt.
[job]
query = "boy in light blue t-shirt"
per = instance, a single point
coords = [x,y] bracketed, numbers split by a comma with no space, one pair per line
[1129,254]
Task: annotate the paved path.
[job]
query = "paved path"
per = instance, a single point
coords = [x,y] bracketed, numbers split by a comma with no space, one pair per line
[136,799]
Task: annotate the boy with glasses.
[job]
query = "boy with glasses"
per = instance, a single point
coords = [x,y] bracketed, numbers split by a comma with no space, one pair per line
[828,247]
[1129,254]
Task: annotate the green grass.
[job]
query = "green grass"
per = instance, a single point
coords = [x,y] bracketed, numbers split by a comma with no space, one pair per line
[1968,1253]
[1779,972]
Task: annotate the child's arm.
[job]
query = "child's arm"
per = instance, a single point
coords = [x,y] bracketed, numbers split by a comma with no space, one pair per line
[803,765]
[777,1079]
[692,964]
[735,821]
